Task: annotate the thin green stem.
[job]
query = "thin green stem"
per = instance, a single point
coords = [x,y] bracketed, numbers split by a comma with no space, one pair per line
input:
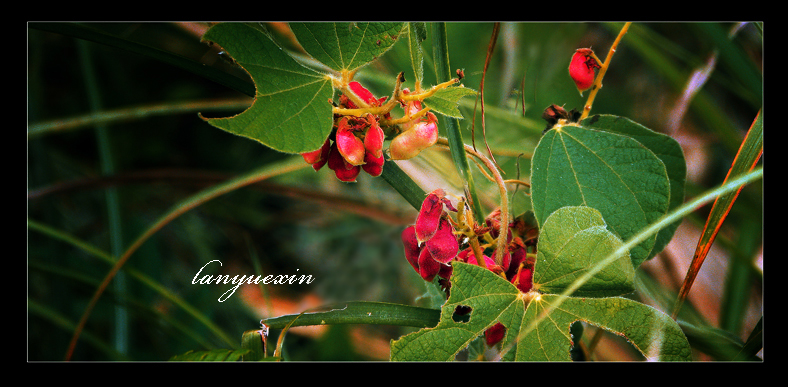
[500,248]
[456,145]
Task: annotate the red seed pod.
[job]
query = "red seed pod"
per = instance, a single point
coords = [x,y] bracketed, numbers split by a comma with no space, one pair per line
[582,68]
[319,157]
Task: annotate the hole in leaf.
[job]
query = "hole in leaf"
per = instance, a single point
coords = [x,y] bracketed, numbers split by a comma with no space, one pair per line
[462,313]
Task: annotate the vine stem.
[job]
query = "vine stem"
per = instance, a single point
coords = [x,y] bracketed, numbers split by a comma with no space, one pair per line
[500,248]
[602,71]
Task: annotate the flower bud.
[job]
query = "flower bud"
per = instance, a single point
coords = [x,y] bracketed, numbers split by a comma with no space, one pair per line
[582,67]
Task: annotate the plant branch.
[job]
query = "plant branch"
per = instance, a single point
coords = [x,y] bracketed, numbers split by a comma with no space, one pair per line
[602,71]
[504,221]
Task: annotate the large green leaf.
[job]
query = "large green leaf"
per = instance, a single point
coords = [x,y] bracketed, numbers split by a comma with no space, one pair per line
[291,112]
[492,299]
[665,147]
[572,241]
[346,46]
[649,330]
[613,173]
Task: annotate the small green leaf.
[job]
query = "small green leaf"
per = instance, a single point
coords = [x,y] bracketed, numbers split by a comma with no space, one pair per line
[346,46]
[445,101]
[255,342]
[573,240]
[291,112]
[615,174]
[417,33]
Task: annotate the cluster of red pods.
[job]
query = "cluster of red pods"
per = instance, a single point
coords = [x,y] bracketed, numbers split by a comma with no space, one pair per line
[433,243]
[356,142]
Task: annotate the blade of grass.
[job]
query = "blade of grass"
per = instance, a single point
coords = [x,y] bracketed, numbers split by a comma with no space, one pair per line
[440,55]
[137,275]
[748,155]
[267,171]
[107,165]
[134,113]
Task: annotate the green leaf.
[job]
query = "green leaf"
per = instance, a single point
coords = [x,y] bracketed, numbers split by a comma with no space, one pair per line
[573,240]
[291,112]
[346,46]
[255,342]
[212,355]
[360,312]
[445,101]
[649,330]
[615,174]
[417,33]
[534,335]
[490,298]
[665,147]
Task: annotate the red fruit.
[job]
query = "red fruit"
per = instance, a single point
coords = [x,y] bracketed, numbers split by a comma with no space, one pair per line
[363,93]
[421,259]
[582,67]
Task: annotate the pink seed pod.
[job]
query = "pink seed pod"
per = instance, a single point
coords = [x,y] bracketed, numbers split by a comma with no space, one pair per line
[443,245]
[582,68]
[429,217]
[410,143]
